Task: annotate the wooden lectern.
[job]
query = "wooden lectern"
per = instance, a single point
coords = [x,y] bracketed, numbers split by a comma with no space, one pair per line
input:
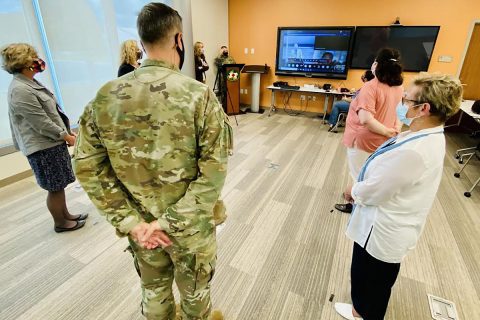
[231,96]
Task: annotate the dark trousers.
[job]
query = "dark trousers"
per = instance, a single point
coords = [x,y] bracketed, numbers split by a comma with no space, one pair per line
[372,282]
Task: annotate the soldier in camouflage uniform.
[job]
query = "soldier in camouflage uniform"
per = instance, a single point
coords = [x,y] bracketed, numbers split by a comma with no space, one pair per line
[152,156]
[223,58]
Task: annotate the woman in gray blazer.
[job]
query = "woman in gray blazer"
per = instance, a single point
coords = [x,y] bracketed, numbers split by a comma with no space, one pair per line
[41,131]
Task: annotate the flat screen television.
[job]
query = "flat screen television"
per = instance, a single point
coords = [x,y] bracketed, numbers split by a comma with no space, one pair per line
[321,52]
[415,44]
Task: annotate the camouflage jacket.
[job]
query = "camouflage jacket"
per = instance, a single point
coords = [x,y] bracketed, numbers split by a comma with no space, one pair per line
[154,144]
[221,60]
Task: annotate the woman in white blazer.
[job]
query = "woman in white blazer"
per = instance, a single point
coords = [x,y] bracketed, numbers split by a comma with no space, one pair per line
[395,192]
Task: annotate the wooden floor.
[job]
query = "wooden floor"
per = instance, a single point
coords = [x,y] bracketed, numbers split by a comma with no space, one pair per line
[282,253]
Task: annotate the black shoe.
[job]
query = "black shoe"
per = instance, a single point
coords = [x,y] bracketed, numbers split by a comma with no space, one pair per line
[330,128]
[79,225]
[347,207]
[83,216]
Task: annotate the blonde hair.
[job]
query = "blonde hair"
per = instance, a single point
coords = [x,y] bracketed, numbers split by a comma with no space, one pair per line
[18,56]
[196,49]
[443,92]
[128,52]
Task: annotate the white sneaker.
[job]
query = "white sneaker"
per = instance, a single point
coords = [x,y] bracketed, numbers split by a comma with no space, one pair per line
[345,310]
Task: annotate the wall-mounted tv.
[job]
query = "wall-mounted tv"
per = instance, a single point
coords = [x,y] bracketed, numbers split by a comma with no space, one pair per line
[415,44]
[321,52]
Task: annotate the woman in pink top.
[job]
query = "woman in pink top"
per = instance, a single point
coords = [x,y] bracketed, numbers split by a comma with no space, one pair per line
[372,117]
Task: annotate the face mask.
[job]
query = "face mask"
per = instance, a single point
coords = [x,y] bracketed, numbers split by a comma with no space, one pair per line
[225,53]
[402,110]
[402,114]
[38,65]
[181,52]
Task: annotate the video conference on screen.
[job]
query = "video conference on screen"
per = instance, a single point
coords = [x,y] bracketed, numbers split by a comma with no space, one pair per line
[315,51]
[328,52]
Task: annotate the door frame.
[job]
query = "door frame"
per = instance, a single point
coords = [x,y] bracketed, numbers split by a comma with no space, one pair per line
[467,44]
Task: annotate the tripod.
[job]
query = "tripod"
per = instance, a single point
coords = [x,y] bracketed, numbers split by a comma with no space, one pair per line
[222,89]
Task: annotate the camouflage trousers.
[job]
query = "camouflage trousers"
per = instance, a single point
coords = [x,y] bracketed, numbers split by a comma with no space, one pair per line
[192,271]
[219,212]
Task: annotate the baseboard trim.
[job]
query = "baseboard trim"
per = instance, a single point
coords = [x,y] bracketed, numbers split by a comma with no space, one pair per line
[15,178]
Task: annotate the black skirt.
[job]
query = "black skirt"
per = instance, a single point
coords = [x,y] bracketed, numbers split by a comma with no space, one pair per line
[52,167]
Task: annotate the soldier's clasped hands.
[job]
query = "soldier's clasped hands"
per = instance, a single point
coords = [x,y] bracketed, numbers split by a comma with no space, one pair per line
[150,235]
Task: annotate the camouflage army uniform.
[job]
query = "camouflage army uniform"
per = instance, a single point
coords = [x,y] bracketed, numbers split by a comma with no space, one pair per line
[221,60]
[154,144]
[222,86]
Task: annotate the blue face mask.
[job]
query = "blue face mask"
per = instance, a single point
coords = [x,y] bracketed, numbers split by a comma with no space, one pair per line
[402,114]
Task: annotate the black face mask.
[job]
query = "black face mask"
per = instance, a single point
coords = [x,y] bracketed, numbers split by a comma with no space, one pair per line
[181,52]
[225,53]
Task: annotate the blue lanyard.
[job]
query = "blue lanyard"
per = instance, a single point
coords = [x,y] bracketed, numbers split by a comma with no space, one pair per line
[385,147]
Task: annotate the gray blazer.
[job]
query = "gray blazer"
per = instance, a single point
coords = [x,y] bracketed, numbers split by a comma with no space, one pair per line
[36,120]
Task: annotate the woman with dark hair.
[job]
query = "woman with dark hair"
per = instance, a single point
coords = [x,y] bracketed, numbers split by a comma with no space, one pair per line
[201,65]
[41,131]
[372,117]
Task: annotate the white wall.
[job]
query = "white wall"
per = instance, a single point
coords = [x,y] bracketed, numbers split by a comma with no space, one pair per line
[210,26]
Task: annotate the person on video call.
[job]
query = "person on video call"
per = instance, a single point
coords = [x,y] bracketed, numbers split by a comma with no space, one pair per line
[298,54]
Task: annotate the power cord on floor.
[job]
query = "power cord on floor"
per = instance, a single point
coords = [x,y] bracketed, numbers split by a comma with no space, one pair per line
[286,105]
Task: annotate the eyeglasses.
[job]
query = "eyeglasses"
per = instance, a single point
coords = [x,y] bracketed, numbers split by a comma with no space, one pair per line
[416,102]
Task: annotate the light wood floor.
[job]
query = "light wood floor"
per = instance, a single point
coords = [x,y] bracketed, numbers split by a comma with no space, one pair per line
[282,252]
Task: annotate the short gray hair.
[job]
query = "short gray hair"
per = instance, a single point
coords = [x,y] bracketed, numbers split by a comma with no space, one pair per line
[441,91]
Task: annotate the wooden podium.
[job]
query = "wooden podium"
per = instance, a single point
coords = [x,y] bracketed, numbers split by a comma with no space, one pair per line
[231,96]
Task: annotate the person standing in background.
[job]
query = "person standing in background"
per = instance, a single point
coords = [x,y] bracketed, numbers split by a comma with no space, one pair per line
[41,131]
[344,103]
[223,57]
[130,55]
[152,155]
[372,117]
[220,81]
[201,65]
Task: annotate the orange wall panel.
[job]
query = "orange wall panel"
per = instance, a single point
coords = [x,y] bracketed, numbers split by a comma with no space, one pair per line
[254,23]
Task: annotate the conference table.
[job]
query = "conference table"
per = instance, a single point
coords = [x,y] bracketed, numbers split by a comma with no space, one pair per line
[306,90]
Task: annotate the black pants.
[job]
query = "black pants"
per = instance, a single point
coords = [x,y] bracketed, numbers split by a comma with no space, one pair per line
[372,282]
